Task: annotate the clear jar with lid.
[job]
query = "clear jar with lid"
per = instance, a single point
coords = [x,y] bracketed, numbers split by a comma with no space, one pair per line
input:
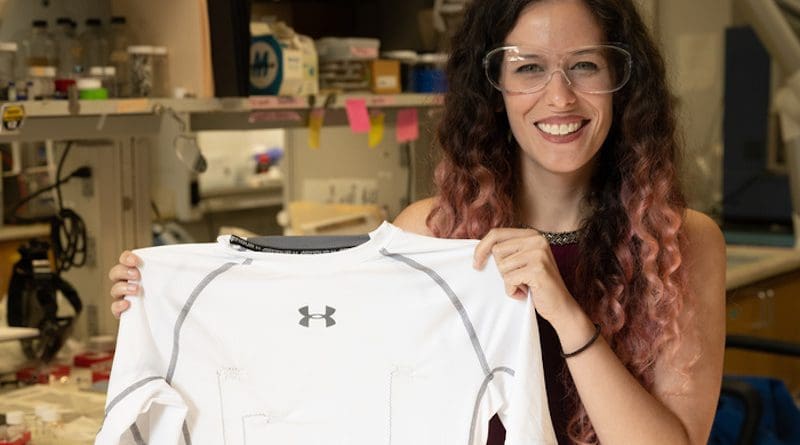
[91,88]
[8,60]
[148,71]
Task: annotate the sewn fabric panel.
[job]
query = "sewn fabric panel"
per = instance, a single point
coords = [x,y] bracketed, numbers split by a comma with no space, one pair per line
[396,341]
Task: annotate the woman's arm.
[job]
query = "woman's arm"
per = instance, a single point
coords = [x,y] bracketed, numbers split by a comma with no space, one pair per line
[681,408]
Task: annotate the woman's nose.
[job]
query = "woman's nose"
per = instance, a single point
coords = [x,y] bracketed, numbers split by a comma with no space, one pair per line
[558,89]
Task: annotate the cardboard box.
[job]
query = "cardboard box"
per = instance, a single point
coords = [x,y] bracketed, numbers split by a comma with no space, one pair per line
[385,76]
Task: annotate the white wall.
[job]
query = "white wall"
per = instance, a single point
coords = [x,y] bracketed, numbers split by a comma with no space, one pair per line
[692,36]
[182,26]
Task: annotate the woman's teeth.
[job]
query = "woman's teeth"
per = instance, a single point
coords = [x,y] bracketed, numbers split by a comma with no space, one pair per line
[559,129]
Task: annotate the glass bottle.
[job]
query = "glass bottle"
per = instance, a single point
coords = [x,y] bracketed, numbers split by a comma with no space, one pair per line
[38,48]
[120,38]
[95,44]
[68,49]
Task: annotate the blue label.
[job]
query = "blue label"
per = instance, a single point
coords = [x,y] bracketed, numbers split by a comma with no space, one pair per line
[266,65]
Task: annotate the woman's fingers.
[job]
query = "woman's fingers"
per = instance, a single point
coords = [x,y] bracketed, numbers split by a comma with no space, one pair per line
[500,243]
[122,272]
[118,307]
[122,288]
[129,259]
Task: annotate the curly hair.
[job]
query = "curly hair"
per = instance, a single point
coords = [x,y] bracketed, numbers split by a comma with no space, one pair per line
[629,273]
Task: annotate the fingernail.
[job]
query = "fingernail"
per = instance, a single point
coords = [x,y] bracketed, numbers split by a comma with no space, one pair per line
[131,288]
[131,273]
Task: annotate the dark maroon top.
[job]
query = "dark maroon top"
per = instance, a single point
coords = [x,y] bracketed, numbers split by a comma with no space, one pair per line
[554,366]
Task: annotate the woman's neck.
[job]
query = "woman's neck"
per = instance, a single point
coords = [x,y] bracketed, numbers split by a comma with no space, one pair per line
[553,202]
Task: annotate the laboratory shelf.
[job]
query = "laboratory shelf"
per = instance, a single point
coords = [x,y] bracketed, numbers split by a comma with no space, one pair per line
[100,119]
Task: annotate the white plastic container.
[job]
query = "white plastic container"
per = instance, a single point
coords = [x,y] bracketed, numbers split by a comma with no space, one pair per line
[43,82]
[349,48]
[277,64]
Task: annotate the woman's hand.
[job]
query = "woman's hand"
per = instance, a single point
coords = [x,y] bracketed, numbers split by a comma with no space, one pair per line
[121,274]
[524,259]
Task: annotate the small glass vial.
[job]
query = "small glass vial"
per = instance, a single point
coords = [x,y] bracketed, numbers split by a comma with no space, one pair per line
[52,427]
[17,431]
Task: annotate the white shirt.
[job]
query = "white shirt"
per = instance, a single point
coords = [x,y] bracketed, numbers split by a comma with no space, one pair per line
[396,341]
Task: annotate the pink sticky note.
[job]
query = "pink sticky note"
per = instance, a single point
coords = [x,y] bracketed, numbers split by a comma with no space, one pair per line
[357,115]
[407,125]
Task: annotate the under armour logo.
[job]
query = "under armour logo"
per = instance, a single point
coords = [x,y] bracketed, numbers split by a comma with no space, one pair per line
[329,321]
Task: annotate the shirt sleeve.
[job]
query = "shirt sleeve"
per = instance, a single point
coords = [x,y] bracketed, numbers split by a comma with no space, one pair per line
[525,414]
[141,406]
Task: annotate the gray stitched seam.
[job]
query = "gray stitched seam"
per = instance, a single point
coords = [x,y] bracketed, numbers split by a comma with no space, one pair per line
[137,435]
[488,375]
[129,390]
[479,398]
[185,312]
[124,394]
[187,439]
[453,299]
[179,324]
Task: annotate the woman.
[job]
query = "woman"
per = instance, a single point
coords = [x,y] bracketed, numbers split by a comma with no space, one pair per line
[560,153]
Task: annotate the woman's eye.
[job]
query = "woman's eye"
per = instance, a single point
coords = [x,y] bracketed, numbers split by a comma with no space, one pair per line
[530,68]
[584,66]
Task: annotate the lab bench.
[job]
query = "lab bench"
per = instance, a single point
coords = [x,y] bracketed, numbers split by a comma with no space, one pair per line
[763,300]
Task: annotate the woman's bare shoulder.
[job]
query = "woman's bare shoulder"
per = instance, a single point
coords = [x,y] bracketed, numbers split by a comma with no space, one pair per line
[413,218]
[704,256]
[703,235]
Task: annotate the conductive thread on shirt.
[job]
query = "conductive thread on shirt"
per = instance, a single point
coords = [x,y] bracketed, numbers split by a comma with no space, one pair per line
[176,336]
[137,434]
[473,336]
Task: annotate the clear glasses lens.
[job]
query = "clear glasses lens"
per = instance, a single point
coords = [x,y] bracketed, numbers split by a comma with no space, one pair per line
[594,69]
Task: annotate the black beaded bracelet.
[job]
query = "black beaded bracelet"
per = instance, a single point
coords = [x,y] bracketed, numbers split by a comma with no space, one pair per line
[586,346]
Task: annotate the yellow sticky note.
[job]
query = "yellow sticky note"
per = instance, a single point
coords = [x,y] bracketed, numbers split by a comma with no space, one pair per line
[315,119]
[376,128]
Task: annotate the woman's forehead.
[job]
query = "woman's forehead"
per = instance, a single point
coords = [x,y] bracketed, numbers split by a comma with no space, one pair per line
[556,25]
